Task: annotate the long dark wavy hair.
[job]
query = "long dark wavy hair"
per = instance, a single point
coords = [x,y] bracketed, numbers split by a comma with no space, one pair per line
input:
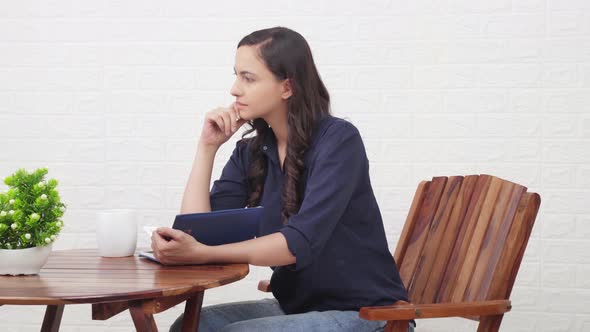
[288,56]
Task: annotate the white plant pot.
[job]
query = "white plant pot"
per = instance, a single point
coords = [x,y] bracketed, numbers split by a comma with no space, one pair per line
[24,261]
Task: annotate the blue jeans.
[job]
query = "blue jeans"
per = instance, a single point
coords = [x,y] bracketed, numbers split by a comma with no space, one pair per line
[266,315]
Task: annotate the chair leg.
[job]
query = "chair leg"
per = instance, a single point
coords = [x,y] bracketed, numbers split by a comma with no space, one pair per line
[144,322]
[397,326]
[489,323]
[52,318]
[192,313]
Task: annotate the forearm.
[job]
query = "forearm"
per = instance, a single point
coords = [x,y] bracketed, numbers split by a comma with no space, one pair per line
[268,250]
[196,193]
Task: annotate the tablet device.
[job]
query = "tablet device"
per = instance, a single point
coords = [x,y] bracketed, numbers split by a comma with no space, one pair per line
[222,226]
[217,227]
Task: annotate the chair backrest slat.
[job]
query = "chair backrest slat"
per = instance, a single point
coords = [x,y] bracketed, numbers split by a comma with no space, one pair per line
[494,240]
[410,263]
[476,242]
[460,245]
[433,285]
[424,292]
[404,239]
[516,242]
[462,241]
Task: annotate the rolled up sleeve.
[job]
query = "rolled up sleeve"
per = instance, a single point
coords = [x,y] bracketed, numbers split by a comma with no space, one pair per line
[334,175]
[230,191]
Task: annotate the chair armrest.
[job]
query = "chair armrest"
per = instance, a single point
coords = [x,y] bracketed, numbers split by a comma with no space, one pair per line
[402,310]
[264,286]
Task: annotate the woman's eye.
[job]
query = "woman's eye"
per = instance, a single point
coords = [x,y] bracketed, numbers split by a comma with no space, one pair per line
[246,78]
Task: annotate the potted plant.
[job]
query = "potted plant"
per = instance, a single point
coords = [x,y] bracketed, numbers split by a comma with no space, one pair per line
[30,220]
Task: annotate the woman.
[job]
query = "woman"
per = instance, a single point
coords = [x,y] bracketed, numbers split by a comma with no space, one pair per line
[321,232]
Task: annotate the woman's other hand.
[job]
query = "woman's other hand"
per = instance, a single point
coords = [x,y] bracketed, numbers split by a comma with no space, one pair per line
[175,247]
[220,124]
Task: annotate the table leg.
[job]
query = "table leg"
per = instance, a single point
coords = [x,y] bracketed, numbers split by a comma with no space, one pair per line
[192,312]
[144,322]
[52,318]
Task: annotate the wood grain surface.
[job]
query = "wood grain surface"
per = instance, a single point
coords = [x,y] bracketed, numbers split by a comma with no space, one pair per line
[82,276]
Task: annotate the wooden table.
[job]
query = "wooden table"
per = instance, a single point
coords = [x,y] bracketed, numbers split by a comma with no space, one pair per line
[113,285]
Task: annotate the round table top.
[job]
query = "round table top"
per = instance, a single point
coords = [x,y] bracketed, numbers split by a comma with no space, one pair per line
[82,276]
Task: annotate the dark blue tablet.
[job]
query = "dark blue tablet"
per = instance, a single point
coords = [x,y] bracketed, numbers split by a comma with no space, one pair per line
[222,226]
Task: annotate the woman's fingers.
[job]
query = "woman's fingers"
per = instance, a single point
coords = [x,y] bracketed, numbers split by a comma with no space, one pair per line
[159,240]
[236,112]
[170,233]
[227,122]
[218,119]
[235,117]
[154,246]
[227,119]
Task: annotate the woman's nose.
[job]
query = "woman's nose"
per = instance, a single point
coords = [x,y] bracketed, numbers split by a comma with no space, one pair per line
[235,89]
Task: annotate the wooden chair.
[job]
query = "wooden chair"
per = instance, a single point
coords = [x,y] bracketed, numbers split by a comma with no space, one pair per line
[459,251]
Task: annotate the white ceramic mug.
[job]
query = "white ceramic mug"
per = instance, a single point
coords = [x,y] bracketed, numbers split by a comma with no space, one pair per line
[116,232]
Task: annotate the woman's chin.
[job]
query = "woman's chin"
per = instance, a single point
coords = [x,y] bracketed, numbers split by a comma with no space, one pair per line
[245,115]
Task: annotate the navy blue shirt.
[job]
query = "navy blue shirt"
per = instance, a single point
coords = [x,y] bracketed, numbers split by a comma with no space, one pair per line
[342,258]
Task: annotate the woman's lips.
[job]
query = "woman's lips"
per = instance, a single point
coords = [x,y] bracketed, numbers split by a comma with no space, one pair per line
[240,105]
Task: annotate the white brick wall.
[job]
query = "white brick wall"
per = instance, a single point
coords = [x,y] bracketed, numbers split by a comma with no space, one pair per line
[110,95]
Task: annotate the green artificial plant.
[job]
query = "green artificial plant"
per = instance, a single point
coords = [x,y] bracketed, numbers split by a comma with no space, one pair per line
[30,211]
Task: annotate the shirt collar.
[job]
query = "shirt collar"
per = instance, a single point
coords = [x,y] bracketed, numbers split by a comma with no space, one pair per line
[269,145]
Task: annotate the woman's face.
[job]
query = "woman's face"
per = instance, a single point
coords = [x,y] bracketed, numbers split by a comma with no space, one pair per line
[258,93]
